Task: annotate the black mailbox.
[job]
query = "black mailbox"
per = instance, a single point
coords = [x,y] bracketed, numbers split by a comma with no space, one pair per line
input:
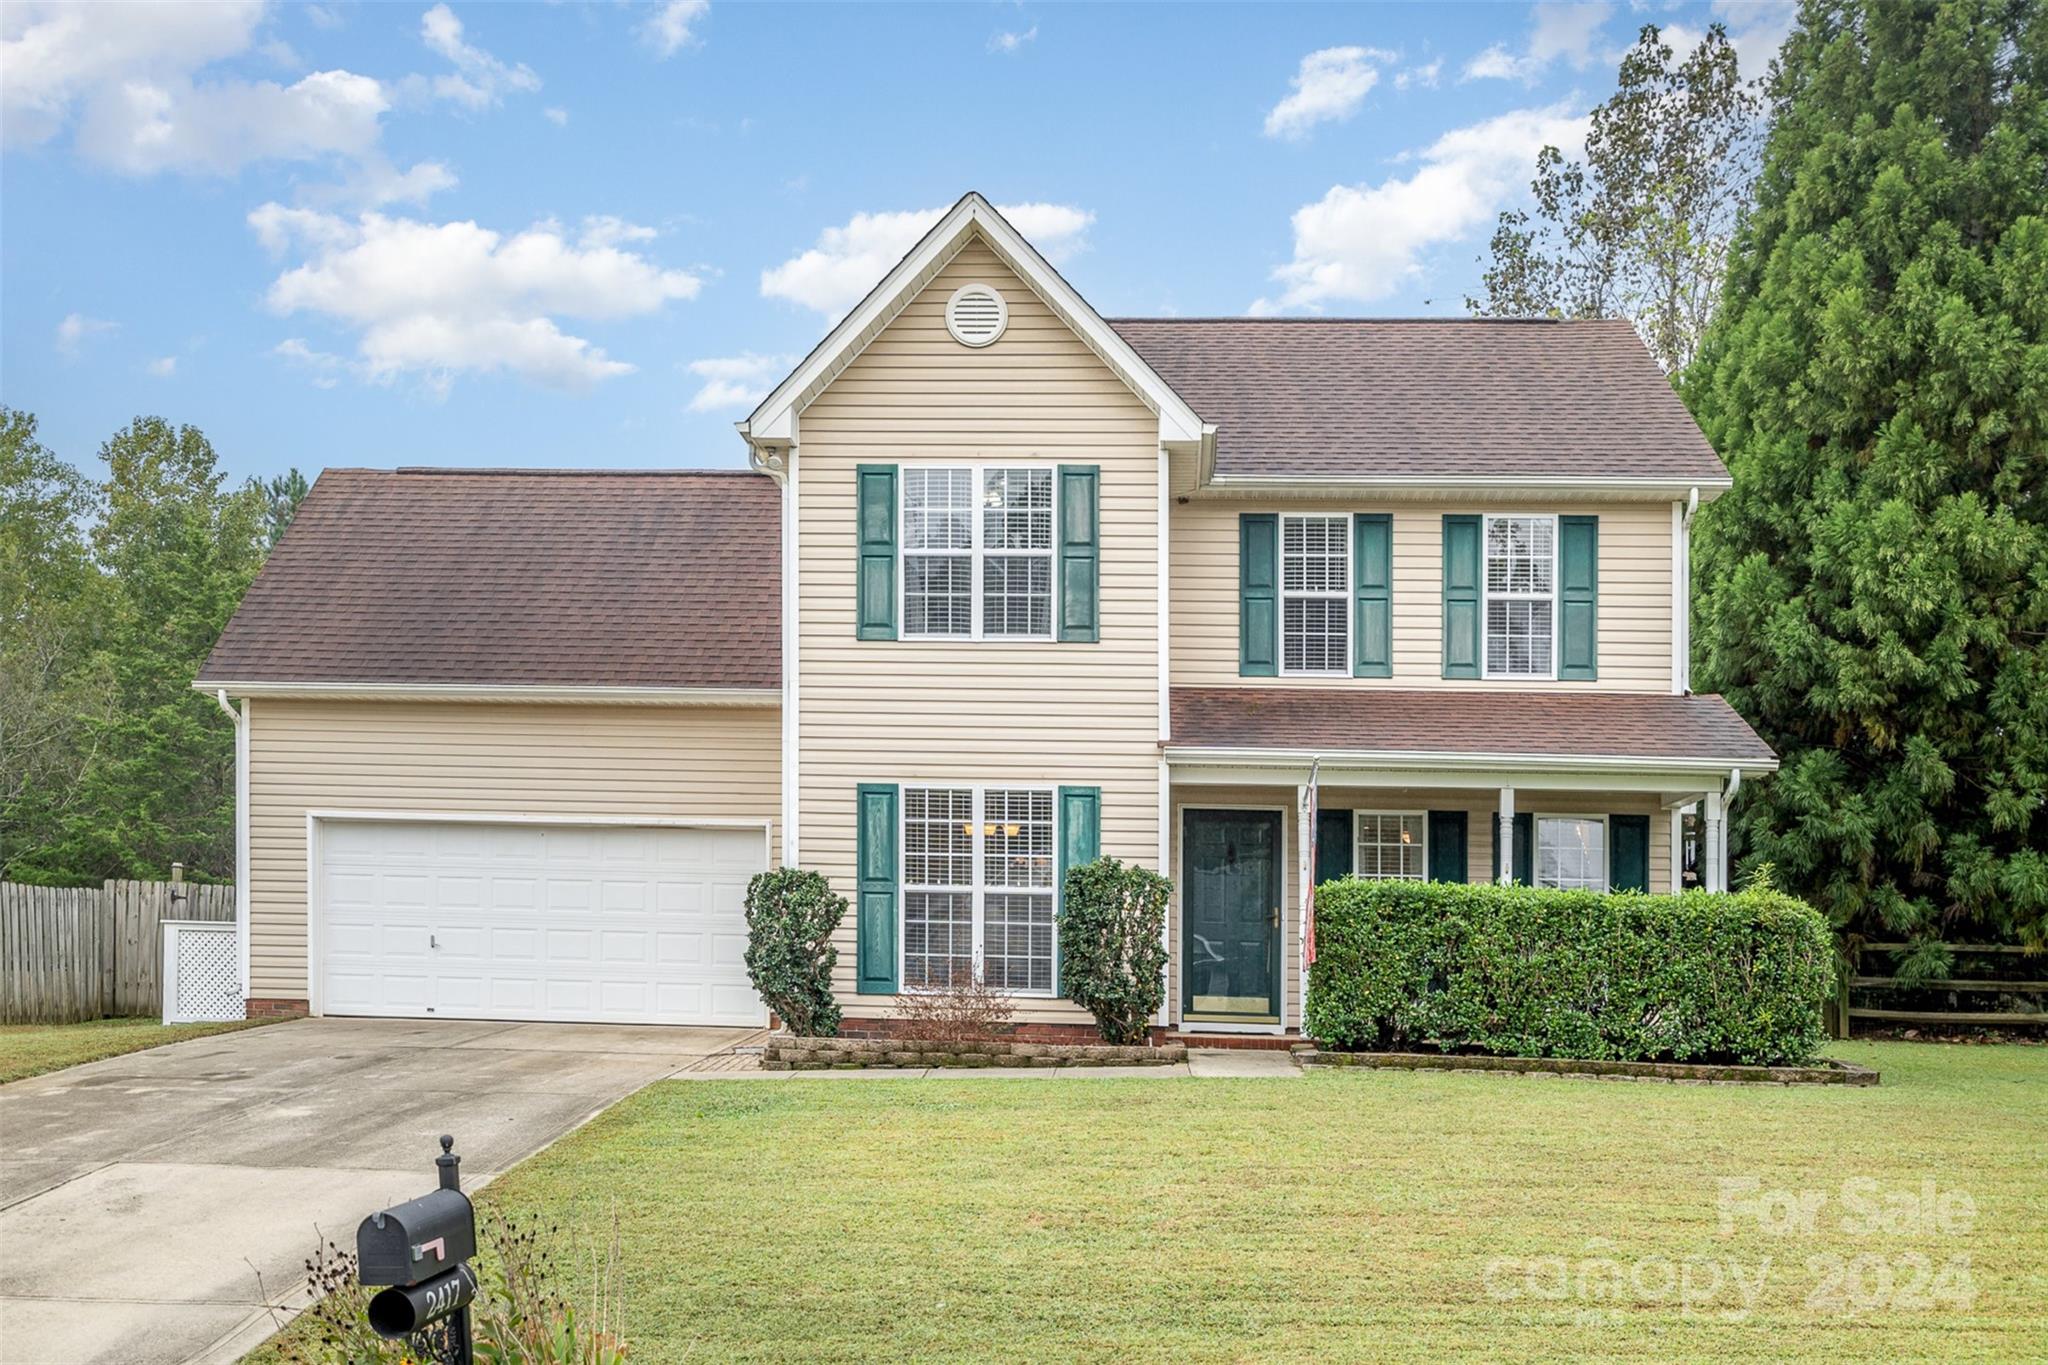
[418,1240]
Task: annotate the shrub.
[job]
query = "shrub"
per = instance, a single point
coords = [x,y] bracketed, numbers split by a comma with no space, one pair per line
[967,1009]
[791,916]
[1528,973]
[1112,959]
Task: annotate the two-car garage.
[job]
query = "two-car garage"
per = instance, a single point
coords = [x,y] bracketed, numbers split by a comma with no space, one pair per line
[521,919]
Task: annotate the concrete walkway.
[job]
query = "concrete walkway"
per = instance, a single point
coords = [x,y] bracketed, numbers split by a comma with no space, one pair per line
[157,1208]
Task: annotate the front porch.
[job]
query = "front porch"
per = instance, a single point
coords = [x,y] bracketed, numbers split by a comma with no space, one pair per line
[1572,791]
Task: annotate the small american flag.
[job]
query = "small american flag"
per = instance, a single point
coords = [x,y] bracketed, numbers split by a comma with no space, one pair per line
[1310,822]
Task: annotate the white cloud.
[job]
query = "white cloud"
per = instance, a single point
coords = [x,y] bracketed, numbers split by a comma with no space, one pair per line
[739,381]
[1361,243]
[127,77]
[76,329]
[668,30]
[1422,77]
[850,260]
[437,300]
[163,367]
[1755,29]
[479,81]
[1329,86]
[1559,30]
[326,370]
[557,116]
[604,229]
[1009,44]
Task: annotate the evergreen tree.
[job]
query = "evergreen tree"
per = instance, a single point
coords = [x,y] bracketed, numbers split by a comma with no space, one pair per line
[1873,594]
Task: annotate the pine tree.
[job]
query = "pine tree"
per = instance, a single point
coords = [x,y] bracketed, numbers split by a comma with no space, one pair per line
[1873,594]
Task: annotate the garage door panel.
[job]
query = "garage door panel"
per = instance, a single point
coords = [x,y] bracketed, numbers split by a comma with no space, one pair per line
[618,924]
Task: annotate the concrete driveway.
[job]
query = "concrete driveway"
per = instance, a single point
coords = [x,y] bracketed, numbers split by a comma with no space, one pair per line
[158,1207]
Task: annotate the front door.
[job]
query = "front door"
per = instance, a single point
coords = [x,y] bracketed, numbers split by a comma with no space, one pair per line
[1230,916]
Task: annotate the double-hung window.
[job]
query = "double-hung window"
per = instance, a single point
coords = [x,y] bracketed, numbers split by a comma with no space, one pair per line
[978,888]
[1390,846]
[1315,594]
[977,552]
[1521,597]
[1571,852]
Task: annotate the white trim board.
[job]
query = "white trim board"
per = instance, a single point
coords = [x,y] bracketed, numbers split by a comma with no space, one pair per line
[494,692]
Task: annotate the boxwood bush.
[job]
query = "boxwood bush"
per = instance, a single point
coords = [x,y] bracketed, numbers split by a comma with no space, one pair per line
[791,915]
[1527,973]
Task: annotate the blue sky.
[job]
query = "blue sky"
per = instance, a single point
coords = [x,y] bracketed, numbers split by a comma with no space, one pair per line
[590,234]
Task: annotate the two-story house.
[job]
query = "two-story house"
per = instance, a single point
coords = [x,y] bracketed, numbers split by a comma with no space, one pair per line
[1010,585]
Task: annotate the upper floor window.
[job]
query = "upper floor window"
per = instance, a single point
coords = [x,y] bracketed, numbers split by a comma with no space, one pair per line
[1521,596]
[977,552]
[1315,594]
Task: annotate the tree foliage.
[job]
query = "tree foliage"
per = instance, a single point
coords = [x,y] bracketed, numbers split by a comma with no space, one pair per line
[110,764]
[281,498]
[1639,229]
[1873,594]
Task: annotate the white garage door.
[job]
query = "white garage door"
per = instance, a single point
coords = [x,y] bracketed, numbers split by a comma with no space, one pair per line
[611,924]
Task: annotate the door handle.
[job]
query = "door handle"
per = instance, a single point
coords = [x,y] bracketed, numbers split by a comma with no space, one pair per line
[432,941]
[1276,917]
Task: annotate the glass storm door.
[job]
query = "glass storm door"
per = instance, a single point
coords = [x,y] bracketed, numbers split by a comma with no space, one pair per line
[1230,916]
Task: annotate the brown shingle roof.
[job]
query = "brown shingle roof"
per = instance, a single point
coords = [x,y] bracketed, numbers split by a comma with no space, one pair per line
[1485,398]
[518,578]
[1526,724]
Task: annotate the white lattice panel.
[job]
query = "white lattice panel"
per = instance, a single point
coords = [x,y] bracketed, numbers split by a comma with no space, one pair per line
[202,972]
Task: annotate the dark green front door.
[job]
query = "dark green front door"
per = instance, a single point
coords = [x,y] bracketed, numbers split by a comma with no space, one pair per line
[1230,916]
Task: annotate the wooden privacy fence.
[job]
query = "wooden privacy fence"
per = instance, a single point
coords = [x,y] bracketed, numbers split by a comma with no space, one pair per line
[70,954]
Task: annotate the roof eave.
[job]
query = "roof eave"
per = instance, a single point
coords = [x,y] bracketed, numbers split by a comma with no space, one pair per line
[1630,488]
[496,692]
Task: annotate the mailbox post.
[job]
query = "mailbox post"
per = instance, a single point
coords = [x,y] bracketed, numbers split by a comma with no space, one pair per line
[420,1252]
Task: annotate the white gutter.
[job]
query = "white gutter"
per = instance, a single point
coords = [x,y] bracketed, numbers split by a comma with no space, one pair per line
[241,720]
[1436,760]
[1316,484]
[489,692]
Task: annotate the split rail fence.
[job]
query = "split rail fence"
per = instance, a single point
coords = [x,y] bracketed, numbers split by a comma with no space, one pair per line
[68,955]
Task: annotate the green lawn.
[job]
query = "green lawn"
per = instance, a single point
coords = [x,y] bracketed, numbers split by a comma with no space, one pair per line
[32,1049]
[1346,1215]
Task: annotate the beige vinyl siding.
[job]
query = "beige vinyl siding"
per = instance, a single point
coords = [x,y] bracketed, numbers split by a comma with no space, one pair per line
[1635,593]
[1482,808]
[665,762]
[988,712]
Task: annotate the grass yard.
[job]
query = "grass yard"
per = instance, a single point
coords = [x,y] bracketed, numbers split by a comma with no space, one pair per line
[1346,1215]
[32,1049]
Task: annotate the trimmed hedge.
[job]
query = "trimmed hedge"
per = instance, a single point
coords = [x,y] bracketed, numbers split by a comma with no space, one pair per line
[1527,973]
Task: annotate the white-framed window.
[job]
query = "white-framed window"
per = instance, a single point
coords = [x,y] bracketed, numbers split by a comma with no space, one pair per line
[1521,596]
[978,869]
[977,552]
[1390,846]
[1315,593]
[1571,852]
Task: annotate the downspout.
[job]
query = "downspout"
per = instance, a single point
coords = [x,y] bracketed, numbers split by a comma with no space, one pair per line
[781,467]
[241,720]
[1727,814]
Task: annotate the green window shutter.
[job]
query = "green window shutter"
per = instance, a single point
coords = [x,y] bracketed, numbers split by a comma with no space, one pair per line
[1334,852]
[1080,539]
[1628,853]
[875,608]
[1372,575]
[1447,857]
[1578,598]
[1461,596]
[1080,843]
[1258,595]
[1525,848]
[875,876]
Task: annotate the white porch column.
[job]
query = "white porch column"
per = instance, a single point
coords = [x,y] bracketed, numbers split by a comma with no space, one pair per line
[1504,836]
[1305,875]
[1714,856]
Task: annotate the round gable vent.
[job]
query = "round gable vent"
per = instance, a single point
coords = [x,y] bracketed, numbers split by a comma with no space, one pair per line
[976,314]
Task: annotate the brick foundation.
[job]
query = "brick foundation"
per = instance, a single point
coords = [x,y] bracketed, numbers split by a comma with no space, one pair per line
[889,1027]
[271,1007]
